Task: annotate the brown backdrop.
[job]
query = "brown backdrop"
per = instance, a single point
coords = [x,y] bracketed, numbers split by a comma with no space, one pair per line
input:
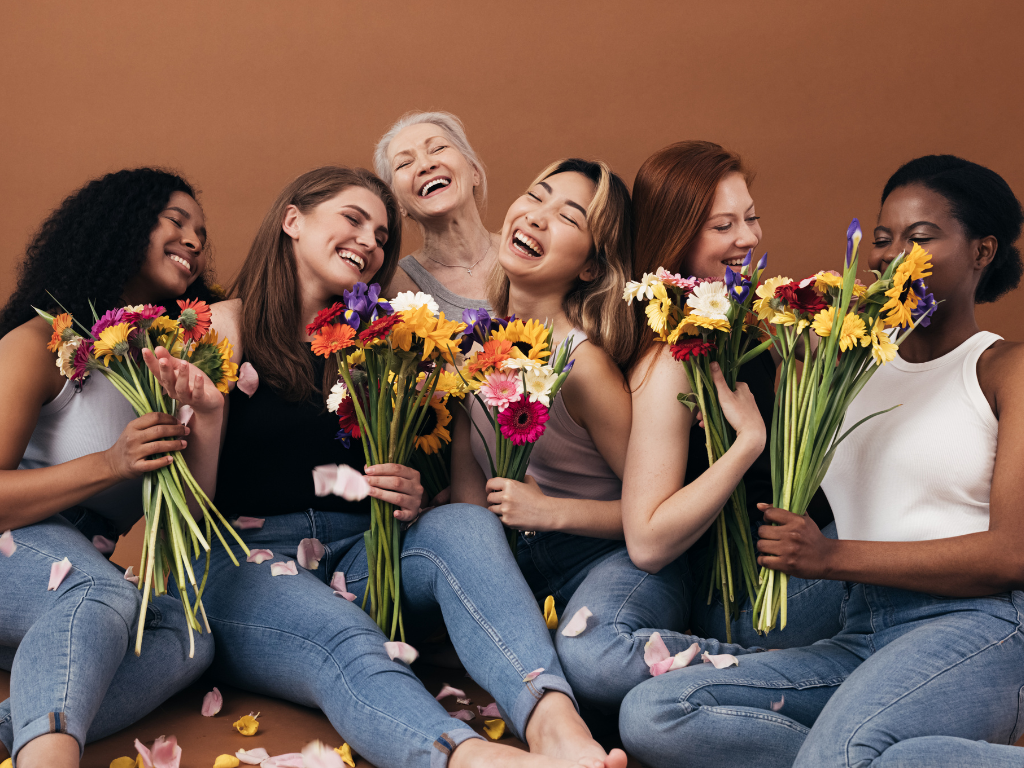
[825,99]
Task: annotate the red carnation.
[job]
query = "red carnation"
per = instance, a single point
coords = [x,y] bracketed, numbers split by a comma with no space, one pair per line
[325,316]
[690,348]
[800,297]
[379,328]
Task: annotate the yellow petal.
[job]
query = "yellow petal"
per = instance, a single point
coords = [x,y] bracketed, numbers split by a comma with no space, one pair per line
[119,762]
[346,755]
[225,761]
[247,725]
[550,616]
[494,729]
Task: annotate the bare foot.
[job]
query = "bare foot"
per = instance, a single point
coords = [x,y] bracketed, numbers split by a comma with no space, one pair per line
[487,754]
[555,729]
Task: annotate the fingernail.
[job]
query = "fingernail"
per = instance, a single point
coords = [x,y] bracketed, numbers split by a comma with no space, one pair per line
[184,443]
[188,431]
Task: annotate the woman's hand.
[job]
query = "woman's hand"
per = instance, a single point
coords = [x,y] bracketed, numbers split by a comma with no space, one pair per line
[739,409]
[522,506]
[794,545]
[153,433]
[184,382]
[399,486]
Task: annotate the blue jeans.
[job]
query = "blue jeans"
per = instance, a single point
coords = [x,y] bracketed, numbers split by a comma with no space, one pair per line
[291,637]
[912,680]
[607,661]
[556,563]
[71,652]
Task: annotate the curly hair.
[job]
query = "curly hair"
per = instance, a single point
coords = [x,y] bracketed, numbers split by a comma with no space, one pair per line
[93,244]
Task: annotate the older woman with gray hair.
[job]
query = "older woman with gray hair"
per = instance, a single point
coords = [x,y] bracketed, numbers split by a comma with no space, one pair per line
[440,184]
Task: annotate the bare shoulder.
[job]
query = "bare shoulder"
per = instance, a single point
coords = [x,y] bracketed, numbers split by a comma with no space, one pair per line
[23,352]
[1001,373]
[401,282]
[656,374]
[226,318]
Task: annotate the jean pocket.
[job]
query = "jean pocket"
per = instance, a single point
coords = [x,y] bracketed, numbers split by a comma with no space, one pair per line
[1018,729]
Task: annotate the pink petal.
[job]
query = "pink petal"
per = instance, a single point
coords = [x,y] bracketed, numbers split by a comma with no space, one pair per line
[449,691]
[491,710]
[284,569]
[103,544]
[185,413]
[323,478]
[309,554]
[402,651]
[58,571]
[252,756]
[244,523]
[578,623]
[533,675]
[7,545]
[165,753]
[338,582]
[143,750]
[462,714]
[248,379]
[721,660]
[777,705]
[259,555]
[212,703]
[678,661]
[661,667]
[340,480]
[655,650]
[129,576]
[290,760]
[348,596]
[316,755]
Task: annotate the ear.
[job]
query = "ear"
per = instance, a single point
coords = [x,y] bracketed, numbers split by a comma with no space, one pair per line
[476,176]
[591,270]
[986,251]
[292,223]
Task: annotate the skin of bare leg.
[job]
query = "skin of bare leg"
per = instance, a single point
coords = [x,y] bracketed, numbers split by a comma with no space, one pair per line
[474,753]
[52,750]
[555,729]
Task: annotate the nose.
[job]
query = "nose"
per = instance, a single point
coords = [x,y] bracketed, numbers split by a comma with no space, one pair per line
[426,165]
[191,241]
[366,238]
[747,237]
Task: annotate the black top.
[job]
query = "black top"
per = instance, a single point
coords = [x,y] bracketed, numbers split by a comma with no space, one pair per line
[759,375]
[271,447]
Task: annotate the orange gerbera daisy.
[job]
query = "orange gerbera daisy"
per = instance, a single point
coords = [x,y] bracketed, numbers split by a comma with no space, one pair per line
[333,338]
[194,319]
[494,353]
[61,323]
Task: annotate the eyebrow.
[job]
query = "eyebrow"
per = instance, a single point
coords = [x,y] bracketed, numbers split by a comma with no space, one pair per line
[575,205]
[201,231]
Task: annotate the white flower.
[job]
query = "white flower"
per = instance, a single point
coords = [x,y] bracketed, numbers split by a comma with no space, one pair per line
[409,300]
[66,356]
[338,393]
[642,290]
[710,300]
[539,382]
[521,364]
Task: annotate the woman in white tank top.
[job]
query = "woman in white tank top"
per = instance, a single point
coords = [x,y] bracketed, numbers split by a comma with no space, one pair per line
[70,461]
[927,669]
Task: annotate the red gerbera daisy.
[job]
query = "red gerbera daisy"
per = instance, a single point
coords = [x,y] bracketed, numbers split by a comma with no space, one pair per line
[324,316]
[684,350]
[347,419]
[800,297]
[379,328]
[523,422]
[194,319]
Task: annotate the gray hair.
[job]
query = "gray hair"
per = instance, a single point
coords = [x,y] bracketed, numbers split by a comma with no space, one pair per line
[448,123]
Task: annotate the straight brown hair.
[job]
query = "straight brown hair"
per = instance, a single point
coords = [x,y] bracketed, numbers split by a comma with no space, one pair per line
[594,306]
[672,198]
[268,282]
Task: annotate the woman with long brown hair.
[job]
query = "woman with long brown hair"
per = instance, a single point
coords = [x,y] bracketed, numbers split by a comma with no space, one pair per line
[693,215]
[294,634]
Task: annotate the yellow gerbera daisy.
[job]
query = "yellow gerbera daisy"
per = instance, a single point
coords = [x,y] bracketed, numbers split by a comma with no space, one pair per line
[530,337]
[658,309]
[827,279]
[212,356]
[765,292]
[882,348]
[693,320]
[822,324]
[434,435]
[113,342]
[852,332]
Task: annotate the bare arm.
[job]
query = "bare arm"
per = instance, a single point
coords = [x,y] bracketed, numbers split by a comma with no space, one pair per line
[662,517]
[468,479]
[974,565]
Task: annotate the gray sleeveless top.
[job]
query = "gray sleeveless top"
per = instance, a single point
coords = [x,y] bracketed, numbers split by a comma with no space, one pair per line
[77,423]
[450,303]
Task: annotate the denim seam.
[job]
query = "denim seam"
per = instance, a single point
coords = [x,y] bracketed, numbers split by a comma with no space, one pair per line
[755,683]
[759,715]
[906,693]
[622,607]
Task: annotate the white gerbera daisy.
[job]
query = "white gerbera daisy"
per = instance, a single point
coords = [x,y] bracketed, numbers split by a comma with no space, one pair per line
[338,393]
[710,299]
[409,300]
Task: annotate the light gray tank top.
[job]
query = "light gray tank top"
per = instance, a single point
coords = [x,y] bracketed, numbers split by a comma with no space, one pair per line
[565,462]
[77,423]
[450,303]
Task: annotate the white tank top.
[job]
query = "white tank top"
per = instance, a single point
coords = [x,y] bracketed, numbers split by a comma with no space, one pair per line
[77,423]
[924,470]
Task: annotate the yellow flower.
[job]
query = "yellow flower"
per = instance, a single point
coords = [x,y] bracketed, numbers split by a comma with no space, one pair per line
[346,755]
[529,338]
[852,332]
[226,761]
[213,356]
[827,279]
[63,331]
[765,292]
[494,729]
[822,324]
[859,290]
[118,762]
[693,320]
[434,433]
[550,616]
[357,358]
[902,299]
[247,725]
[113,342]
[658,309]
[163,325]
[882,348]
[435,332]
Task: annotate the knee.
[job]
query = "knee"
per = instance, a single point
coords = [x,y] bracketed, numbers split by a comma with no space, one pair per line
[112,591]
[597,664]
[650,723]
[462,525]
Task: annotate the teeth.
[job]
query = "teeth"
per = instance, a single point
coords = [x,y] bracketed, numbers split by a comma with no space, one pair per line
[433,184]
[353,257]
[181,261]
[528,241]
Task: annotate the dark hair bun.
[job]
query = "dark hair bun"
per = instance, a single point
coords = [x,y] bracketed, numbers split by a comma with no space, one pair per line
[983,203]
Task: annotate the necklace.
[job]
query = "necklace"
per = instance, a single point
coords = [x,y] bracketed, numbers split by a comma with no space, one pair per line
[471,267]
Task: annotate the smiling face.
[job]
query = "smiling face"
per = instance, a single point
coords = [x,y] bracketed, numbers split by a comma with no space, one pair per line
[916,214]
[545,238]
[339,242]
[431,178]
[730,231]
[175,256]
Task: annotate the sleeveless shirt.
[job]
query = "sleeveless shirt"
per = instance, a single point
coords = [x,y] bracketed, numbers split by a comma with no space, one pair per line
[270,449]
[565,462]
[450,303]
[80,421]
[924,470]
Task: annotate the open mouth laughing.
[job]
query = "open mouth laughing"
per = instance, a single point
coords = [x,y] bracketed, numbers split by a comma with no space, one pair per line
[526,246]
[352,258]
[181,261]
[434,185]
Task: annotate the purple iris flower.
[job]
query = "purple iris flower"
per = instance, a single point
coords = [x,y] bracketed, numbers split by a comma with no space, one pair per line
[344,438]
[926,303]
[737,285]
[365,302]
[569,365]
[748,257]
[763,262]
[109,318]
[853,237]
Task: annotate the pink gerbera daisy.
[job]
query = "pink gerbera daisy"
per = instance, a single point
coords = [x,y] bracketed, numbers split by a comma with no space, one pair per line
[523,422]
[502,389]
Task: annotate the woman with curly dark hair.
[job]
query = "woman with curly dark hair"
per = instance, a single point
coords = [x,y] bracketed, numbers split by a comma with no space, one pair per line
[71,459]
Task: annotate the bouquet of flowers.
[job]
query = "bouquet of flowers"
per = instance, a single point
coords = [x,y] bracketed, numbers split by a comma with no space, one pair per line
[390,357]
[853,324]
[112,347]
[508,370]
[704,321]
[433,456]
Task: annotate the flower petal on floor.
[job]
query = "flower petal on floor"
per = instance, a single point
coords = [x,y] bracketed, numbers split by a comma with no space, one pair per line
[7,545]
[117,762]
[58,572]
[212,703]
[259,555]
[247,725]
[284,569]
[226,761]
[252,756]
[491,710]
[550,614]
[317,755]
[402,651]
[721,660]
[346,755]
[311,551]
[248,379]
[533,675]
[655,650]
[290,760]
[578,623]
[494,729]
[243,523]
[447,690]
[462,714]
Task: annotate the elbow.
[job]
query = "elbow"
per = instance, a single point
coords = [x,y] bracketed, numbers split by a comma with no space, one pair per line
[645,556]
